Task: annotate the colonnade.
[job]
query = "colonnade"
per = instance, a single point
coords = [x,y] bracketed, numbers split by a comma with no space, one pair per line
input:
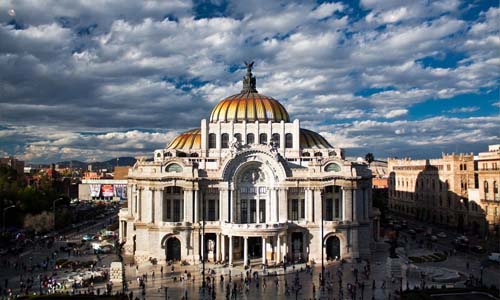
[278,249]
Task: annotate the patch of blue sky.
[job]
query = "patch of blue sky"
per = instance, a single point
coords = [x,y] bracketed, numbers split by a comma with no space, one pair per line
[442,60]
[371,91]
[209,9]
[466,105]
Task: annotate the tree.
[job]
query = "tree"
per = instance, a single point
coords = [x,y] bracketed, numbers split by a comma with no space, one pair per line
[42,222]
[369,158]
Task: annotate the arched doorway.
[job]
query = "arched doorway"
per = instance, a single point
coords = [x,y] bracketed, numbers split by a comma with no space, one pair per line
[332,247]
[173,249]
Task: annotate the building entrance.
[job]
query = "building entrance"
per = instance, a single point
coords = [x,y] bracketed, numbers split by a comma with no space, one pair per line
[332,248]
[173,249]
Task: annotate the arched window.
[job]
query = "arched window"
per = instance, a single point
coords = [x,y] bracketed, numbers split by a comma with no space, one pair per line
[465,167]
[262,138]
[288,140]
[306,154]
[194,154]
[461,168]
[333,167]
[250,138]
[174,168]
[224,140]
[237,136]
[276,139]
[318,154]
[486,188]
[212,141]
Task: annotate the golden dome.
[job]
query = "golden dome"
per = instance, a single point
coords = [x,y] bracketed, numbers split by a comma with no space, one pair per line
[311,139]
[249,106]
[188,140]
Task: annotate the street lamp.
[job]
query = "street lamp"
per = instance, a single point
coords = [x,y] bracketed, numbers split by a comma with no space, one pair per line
[3,217]
[54,210]
[322,245]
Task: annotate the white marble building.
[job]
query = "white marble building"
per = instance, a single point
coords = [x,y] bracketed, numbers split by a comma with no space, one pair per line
[258,180]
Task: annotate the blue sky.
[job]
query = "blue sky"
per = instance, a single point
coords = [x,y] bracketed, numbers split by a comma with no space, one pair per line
[94,80]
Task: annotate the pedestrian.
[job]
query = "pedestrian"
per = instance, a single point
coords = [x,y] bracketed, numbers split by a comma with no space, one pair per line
[161,271]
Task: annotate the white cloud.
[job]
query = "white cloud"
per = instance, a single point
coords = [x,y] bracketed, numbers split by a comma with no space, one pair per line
[395,113]
[153,65]
[467,109]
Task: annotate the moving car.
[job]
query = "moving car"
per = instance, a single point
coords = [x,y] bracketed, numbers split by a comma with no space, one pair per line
[441,235]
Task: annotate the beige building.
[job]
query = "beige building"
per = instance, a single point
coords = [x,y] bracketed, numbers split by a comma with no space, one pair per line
[488,175]
[435,190]
[258,180]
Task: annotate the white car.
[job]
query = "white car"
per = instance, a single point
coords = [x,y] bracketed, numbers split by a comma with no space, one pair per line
[494,257]
[441,235]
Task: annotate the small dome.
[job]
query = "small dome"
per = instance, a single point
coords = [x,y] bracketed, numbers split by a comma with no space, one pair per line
[250,107]
[186,141]
[311,139]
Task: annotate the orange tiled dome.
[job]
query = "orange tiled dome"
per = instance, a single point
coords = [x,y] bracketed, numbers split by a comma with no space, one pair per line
[190,139]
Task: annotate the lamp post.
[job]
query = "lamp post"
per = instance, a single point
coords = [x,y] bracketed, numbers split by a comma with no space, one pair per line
[3,216]
[322,246]
[54,210]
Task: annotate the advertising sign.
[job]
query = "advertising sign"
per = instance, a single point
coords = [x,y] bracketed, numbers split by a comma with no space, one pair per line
[107,190]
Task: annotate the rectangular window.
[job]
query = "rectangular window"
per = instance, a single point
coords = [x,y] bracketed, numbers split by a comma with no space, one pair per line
[253,211]
[302,209]
[295,210]
[262,211]
[211,210]
[337,208]
[244,211]
[177,211]
[169,209]
[328,210]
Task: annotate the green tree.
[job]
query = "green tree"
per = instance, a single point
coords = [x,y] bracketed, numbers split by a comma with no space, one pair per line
[369,158]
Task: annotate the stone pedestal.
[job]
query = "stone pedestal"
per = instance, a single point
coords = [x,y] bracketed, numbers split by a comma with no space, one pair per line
[211,256]
[394,267]
[116,272]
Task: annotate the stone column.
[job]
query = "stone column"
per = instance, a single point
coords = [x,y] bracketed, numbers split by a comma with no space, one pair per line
[318,214]
[159,206]
[202,246]
[230,250]
[278,249]
[152,192]
[188,203]
[223,247]
[130,197]
[347,203]
[306,204]
[273,204]
[283,207]
[245,250]
[139,204]
[263,250]
[196,218]
[217,247]
[356,205]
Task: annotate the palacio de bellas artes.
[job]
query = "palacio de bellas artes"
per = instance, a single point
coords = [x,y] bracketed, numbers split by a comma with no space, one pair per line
[249,185]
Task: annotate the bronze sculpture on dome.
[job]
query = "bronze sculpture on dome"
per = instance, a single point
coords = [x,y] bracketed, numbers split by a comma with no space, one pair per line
[249,81]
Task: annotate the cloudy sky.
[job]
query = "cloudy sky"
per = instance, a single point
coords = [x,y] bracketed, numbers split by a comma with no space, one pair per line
[91,80]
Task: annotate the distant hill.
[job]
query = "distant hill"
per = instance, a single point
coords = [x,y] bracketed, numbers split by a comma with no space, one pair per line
[109,164]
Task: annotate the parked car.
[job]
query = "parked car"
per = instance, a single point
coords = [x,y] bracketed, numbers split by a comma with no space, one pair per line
[441,235]
[419,229]
[494,257]
[412,232]
[477,249]
[88,237]
[434,238]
